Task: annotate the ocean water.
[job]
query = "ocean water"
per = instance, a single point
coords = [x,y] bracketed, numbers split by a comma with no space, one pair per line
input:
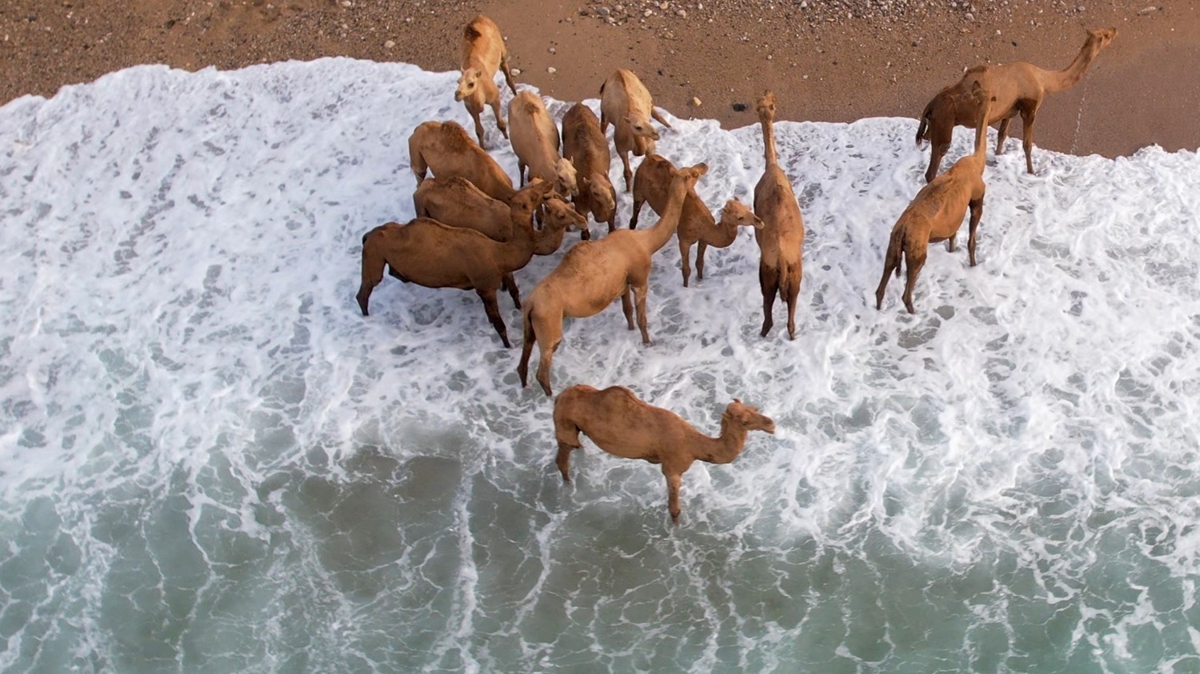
[209,461]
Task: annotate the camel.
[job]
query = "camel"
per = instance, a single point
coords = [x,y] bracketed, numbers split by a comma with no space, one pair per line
[458,203]
[535,142]
[625,102]
[622,425]
[445,148]
[1019,89]
[434,255]
[587,148]
[936,213]
[781,240]
[594,273]
[483,53]
[697,224]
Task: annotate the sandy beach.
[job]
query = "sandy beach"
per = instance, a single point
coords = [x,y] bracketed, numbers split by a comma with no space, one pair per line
[829,60]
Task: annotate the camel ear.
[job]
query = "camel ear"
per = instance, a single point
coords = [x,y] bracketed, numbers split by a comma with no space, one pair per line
[737,400]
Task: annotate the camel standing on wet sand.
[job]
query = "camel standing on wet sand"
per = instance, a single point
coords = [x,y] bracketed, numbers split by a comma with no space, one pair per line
[936,213]
[483,53]
[434,255]
[626,104]
[781,240]
[651,184]
[623,425]
[594,273]
[1019,89]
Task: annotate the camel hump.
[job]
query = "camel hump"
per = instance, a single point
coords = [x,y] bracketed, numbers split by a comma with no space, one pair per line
[455,137]
[471,33]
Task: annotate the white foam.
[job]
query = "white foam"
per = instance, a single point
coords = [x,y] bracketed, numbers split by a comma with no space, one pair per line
[180,344]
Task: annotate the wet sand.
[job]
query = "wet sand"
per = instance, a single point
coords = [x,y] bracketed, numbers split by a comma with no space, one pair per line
[828,60]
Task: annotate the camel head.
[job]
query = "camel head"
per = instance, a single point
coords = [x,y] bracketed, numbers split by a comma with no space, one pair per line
[565,177]
[747,417]
[531,196]
[740,215]
[1099,38]
[766,105]
[560,214]
[601,191]
[642,128]
[692,173]
[467,83]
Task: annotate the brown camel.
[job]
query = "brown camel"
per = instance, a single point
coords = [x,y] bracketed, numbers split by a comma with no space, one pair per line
[622,425]
[626,104]
[781,240]
[434,255]
[447,150]
[594,273]
[697,225]
[587,148]
[936,213]
[1018,88]
[483,53]
[458,203]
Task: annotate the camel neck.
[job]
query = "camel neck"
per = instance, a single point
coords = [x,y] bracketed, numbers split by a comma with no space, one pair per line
[768,129]
[1060,80]
[721,234]
[723,448]
[548,239]
[519,250]
[657,236]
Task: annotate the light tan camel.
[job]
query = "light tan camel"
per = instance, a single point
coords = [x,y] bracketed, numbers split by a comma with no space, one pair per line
[594,273]
[936,213]
[434,255]
[483,53]
[587,148]
[625,103]
[1019,89]
[535,142]
[458,203]
[697,225]
[622,425]
[447,150]
[781,240]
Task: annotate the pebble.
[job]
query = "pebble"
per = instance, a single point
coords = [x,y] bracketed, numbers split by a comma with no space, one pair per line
[695,102]
[389,44]
[551,70]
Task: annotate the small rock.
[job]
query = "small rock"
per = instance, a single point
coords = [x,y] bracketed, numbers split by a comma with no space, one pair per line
[389,44]
[648,12]
[583,12]
[969,16]
[601,11]
[739,107]
[516,71]
[347,3]
[664,6]
[551,70]
[695,102]
[682,13]
[1147,10]
[552,50]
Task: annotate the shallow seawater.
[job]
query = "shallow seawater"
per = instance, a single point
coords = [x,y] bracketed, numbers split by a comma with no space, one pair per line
[209,461]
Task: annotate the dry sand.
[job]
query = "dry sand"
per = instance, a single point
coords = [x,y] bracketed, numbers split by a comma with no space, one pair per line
[833,60]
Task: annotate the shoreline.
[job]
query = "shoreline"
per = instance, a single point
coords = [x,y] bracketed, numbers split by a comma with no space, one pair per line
[827,60]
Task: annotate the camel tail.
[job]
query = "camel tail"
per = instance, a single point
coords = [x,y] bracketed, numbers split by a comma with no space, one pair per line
[923,127]
[895,251]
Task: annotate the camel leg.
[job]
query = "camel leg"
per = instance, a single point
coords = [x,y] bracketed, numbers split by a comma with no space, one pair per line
[1002,134]
[768,280]
[543,371]
[499,118]
[791,291]
[507,75]
[684,251]
[628,172]
[488,295]
[612,221]
[976,214]
[586,234]
[563,460]
[641,288]
[417,163]
[526,349]
[637,210]
[915,262]
[476,112]
[521,172]
[1027,137]
[509,283]
[372,274]
[659,116]
[888,267]
[627,307]
[567,434]
[700,259]
[674,482]
[952,243]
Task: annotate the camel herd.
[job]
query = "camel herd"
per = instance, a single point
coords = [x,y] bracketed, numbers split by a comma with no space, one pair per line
[473,229]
